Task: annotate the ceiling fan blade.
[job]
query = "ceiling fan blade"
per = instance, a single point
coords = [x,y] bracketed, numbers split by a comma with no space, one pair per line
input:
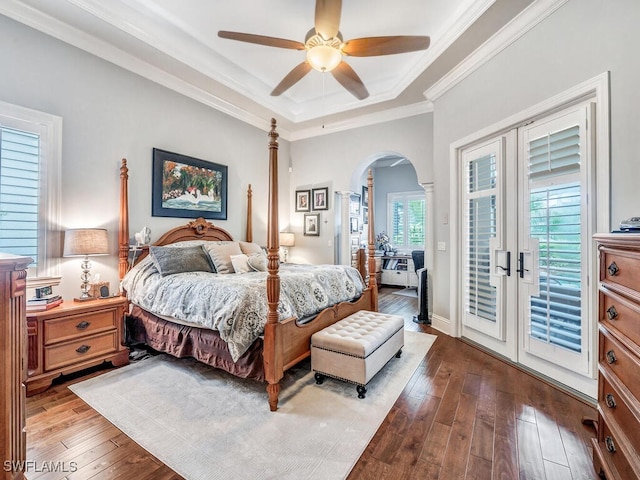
[291,79]
[374,46]
[262,40]
[350,80]
[327,19]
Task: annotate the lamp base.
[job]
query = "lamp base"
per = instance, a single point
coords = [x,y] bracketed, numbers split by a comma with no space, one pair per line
[83,298]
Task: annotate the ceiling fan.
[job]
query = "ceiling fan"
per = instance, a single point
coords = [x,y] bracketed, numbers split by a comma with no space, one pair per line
[325,48]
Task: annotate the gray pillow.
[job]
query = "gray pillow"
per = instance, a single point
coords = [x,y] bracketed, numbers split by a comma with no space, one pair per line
[220,254]
[170,260]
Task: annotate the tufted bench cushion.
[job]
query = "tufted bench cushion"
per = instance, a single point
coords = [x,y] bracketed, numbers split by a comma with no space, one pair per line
[355,348]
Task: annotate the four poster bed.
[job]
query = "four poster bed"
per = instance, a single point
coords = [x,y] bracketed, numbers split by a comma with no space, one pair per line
[273,336]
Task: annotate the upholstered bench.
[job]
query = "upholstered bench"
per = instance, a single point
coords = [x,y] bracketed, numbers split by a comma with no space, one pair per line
[355,348]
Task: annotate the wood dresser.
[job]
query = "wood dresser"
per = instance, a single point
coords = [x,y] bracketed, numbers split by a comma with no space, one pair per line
[74,336]
[616,450]
[13,368]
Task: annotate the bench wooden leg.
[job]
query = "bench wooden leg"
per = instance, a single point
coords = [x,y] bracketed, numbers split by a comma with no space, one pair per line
[361,391]
[399,353]
[319,378]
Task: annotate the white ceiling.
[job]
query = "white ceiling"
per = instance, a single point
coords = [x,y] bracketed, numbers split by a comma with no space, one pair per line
[175,43]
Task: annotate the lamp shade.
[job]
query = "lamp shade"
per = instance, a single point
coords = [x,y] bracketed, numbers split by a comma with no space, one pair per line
[85,241]
[287,239]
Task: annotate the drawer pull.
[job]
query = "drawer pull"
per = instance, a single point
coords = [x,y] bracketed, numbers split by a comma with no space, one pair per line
[608,441]
[83,348]
[83,325]
[612,313]
[611,357]
[613,269]
[611,402]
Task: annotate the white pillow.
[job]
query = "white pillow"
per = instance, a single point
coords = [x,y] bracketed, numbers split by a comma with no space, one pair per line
[240,263]
[220,253]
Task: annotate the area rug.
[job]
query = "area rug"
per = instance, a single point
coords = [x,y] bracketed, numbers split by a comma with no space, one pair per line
[206,424]
[407,292]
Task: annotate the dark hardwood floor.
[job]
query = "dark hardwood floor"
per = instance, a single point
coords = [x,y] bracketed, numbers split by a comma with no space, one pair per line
[463,415]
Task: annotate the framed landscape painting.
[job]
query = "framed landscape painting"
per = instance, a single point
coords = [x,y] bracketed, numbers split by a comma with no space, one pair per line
[188,187]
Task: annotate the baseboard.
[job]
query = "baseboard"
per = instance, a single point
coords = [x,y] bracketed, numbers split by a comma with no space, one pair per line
[441,324]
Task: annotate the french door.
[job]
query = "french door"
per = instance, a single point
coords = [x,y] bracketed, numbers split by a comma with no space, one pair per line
[526,242]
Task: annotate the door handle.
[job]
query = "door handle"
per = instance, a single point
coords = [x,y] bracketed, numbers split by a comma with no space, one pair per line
[506,269]
[521,268]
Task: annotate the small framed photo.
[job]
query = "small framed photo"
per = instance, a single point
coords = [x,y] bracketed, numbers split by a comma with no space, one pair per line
[365,215]
[365,196]
[354,205]
[312,224]
[303,200]
[320,197]
[354,225]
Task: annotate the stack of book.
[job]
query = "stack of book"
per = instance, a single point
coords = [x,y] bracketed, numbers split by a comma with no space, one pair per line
[43,303]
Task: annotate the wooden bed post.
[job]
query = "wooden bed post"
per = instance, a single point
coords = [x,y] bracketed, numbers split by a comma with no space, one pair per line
[123,228]
[249,215]
[272,355]
[372,246]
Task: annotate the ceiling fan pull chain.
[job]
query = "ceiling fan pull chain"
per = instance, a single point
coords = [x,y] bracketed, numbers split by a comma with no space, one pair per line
[323,75]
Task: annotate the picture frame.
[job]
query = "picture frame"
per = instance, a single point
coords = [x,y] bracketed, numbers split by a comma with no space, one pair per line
[354,205]
[354,225]
[188,187]
[303,200]
[311,225]
[320,198]
[365,215]
[365,196]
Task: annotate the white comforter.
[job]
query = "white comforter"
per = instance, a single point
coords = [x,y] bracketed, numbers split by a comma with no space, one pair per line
[236,304]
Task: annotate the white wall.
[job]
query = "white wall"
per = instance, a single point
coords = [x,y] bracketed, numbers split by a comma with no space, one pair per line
[109,113]
[581,40]
[339,159]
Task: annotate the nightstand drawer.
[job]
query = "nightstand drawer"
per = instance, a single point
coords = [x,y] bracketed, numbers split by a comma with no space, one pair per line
[63,354]
[67,328]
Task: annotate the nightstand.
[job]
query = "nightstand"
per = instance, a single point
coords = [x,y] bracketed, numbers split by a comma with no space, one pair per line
[74,336]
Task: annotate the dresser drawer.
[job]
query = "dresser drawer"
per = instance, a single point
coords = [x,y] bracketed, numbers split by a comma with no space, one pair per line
[620,314]
[63,354]
[69,327]
[613,405]
[394,277]
[617,359]
[612,452]
[620,267]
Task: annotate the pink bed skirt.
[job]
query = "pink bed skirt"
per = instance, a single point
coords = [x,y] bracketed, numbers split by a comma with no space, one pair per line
[202,344]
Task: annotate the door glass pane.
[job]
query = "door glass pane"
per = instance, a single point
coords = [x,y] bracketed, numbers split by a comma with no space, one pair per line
[555,222]
[480,295]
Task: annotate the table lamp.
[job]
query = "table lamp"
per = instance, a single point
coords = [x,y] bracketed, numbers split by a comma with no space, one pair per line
[85,242]
[286,240]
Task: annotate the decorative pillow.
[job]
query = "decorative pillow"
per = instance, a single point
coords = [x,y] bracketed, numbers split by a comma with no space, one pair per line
[220,253]
[257,262]
[240,263]
[249,248]
[170,260]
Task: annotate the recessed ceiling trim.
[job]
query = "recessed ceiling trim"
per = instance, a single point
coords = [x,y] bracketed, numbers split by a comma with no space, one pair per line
[364,120]
[521,24]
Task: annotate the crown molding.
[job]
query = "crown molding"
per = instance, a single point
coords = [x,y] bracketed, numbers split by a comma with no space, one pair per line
[364,120]
[65,33]
[521,24]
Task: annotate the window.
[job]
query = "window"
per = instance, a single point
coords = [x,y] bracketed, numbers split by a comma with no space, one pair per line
[29,188]
[406,220]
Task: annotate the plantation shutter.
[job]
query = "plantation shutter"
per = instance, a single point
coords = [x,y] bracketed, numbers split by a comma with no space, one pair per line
[407,220]
[19,192]
[480,295]
[555,221]
[397,221]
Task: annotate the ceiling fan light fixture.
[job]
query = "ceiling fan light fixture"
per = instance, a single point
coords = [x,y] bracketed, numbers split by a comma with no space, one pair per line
[324,58]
